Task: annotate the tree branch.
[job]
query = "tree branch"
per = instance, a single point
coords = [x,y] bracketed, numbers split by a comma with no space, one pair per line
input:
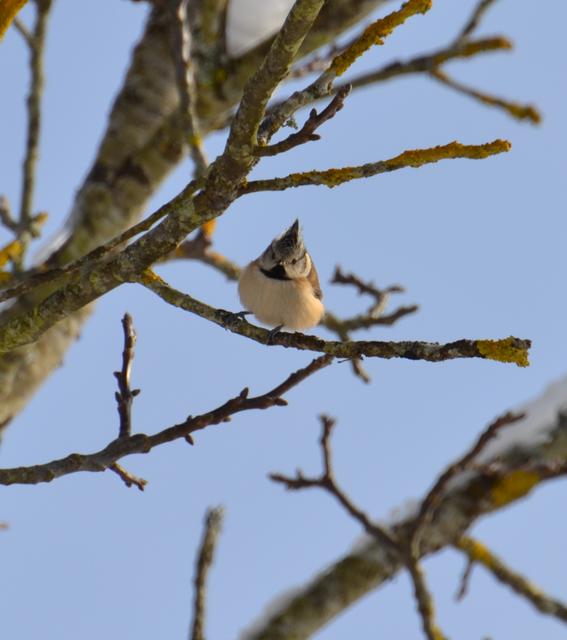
[129,479]
[425,605]
[95,258]
[506,350]
[382,535]
[307,132]
[212,528]
[185,214]
[419,64]
[411,158]
[198,248]
[34,112]
[141,443]
[474,21]
[182,55]
[125,395]
[274,68]
[137,150]
[435,495]
[6,217]
[24,32]
[366,320]
[476,552]
[327,482]
[514,109]
[323,85]
[476,493]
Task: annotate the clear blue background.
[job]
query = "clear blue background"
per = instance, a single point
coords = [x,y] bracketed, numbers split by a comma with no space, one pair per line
[479,245]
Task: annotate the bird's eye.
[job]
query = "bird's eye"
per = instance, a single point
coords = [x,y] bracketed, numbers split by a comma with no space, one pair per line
[294,261]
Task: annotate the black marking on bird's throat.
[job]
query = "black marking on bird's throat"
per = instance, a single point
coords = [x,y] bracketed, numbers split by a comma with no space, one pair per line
[276,273]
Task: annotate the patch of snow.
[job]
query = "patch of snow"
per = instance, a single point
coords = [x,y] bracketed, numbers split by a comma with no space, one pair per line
[250,22]
[541,415]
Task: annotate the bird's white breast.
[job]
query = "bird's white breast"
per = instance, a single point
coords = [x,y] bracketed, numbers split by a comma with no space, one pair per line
[290,303]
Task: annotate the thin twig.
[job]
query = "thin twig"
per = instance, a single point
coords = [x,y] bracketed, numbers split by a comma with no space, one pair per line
[34,112]
[368,319]
[411,158]
[125,395]
[6,217]
[24,32]
[129,479]
[307,132]
[474,21]
[431,501]
[380,296]
[327,482]
[36,278]
[465,581]
[514,109]
[478,553]
[198,248]
[142,443]
[212,528]
[423,598]
[372,317]
[368,288]
[187,87]
[279,111]
[425,516]
[334,324]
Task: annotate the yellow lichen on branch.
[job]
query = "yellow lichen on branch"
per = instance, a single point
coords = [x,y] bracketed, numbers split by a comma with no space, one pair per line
[376,32]
[419,157]
[479,553]
[411,158]
[10,252]
[475,550]
[149,275]
[513,486]
[473,47]
[505,350]
[8,11]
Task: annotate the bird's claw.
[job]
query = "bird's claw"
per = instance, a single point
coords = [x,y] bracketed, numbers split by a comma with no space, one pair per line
[273,333]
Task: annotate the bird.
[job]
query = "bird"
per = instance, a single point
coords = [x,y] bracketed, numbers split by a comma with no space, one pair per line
[281,287]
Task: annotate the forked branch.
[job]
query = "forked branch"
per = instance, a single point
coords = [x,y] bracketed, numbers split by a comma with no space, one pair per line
[141,443]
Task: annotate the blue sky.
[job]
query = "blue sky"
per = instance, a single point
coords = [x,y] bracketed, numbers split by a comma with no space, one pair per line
[479,245]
